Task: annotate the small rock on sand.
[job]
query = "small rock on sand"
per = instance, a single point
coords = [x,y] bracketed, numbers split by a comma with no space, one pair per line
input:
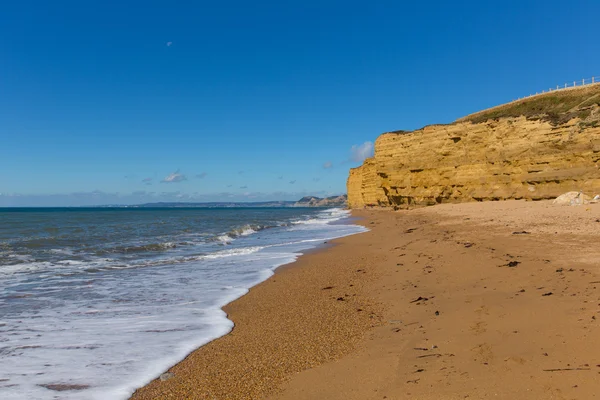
[166,376]
[571,199]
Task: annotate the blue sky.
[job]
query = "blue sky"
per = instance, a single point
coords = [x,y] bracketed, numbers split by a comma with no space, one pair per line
[136,101]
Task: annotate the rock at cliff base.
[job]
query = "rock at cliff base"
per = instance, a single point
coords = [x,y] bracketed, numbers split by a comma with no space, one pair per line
[571,199]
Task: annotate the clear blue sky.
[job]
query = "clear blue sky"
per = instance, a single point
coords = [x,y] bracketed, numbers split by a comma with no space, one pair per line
[135,101]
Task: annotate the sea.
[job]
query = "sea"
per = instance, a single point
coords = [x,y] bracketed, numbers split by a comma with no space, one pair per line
[96,302]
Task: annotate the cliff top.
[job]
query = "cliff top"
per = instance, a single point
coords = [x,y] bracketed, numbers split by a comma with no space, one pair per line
[556,107]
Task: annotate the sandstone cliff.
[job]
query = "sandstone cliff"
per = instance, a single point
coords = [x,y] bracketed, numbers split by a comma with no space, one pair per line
[532,149]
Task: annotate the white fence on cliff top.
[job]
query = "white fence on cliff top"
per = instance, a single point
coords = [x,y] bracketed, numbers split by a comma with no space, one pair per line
[594,80]
[576,84]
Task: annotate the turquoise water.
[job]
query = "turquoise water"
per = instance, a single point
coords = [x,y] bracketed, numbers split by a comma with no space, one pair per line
[103,300]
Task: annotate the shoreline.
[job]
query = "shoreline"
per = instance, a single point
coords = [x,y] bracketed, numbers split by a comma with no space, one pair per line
[244,381]
[476,299]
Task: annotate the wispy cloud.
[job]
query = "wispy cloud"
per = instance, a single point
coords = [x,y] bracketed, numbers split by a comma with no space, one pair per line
[147,181]
[316,179]
[359,152]
[280,177]
[243,187]
[174,177]
[327,165]
[240,172]
[201,175]
[292,182]
[169,44]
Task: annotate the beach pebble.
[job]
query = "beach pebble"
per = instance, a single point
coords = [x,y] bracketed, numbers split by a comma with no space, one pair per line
[166,376]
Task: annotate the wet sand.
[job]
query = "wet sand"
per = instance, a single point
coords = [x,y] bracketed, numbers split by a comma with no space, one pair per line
[479,300]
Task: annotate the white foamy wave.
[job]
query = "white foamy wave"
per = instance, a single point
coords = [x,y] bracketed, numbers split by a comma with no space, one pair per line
[225,239]
[20,257]
[312,221]
[24,267]
[64,251]
[233,252]
[325,217]
[335,213]
[246,230]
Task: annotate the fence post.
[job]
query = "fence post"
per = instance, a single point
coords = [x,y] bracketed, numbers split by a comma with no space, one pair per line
[592,79]
[565,85]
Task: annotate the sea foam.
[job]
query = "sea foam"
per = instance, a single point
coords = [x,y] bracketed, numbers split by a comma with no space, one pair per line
[104,326]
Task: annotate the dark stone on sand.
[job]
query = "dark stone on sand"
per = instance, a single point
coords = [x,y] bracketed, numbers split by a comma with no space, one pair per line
[521,233]
[548,294]
[512,264]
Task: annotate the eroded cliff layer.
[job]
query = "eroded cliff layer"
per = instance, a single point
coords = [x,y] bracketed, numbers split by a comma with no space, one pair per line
[535,149]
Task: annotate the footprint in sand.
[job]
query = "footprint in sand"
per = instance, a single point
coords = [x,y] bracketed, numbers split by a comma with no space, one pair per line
[483,352]
[483,310]
[479,327]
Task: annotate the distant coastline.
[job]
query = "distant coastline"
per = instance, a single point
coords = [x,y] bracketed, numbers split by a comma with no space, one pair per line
[308,201]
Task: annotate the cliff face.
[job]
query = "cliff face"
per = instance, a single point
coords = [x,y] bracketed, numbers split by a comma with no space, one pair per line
[516,157]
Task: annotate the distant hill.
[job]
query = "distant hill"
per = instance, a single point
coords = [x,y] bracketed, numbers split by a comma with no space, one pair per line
[308,201]
[219,204]
[332,201]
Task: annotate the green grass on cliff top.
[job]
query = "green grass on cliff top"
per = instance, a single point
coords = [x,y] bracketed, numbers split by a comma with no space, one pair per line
[555,107]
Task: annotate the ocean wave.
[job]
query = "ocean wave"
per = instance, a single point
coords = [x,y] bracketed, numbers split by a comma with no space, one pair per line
[244,230]
[140,248]
[312,221]
[70,267]
[233,252]
[65,251]
[23,267]
[324,217]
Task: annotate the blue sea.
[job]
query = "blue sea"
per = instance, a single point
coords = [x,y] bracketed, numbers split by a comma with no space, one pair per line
[97,302]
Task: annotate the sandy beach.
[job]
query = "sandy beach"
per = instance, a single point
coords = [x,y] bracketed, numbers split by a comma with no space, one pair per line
[478,300]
